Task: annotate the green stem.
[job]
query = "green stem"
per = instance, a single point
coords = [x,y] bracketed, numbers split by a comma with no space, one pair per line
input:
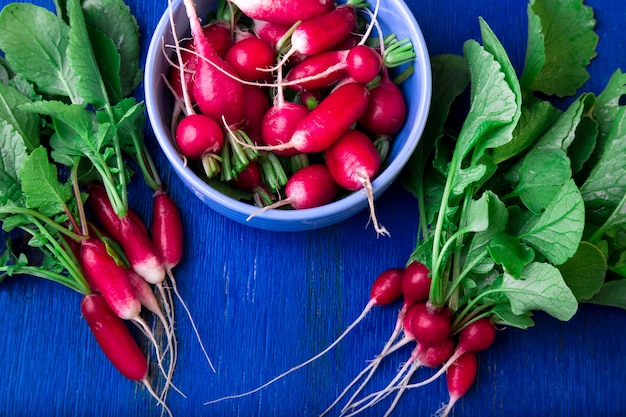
[41,273]
[42,218]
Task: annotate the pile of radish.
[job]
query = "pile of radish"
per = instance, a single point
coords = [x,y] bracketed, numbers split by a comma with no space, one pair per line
[514,213]
[72,141]
[263,91]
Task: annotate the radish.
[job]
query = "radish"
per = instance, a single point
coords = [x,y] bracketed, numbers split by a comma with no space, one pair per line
[199,137]
[353,162]
[110,279]
[430,326]
[311,186]
[216,92]
[279,123]
[248,56]
[386,112]
[130,233]
[416,282]
[167,235]
[284,12]
[248,178]
[384,290]
[167,229]
[114,337]
[331,118]
[475,336]
[318,71]
[460,378]
[363,63]
[116,342]
[271,33]
[322,33]
[218,35]
[116,289]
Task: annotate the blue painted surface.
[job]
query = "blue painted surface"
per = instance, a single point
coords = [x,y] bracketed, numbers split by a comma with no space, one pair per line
[265,301]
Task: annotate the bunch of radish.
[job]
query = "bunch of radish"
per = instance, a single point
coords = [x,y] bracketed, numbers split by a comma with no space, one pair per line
[263,91]
[439,342]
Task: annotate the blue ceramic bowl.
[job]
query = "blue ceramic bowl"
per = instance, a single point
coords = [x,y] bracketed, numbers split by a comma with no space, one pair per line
[395,17]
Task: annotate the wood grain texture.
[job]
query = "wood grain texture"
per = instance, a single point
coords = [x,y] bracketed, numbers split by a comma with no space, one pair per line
[266,301]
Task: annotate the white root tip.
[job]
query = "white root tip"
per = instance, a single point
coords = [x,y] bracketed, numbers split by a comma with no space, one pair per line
[369,191]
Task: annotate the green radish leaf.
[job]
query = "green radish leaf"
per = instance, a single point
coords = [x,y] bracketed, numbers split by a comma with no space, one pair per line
[498,218]
[24,123]
[493,105]
[605,188]
[535,52]
[563,132]
[585,271]
[502,315]
[557,232]
[569,42]
[584,144]
[75,118]
[43,59]
[612,294]
[503,135]
[508,251]
[534,121]
[108,60]
[41,186]
[466,177]
[114,19]
[543,173]
[82,60]
[541,287]
[12,150]
[477,215]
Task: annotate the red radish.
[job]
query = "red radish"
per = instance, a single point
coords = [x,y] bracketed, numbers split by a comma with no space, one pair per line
[353,162]
[130,232]
[331,118]
[271,33]
[256,106]
[284,12]
[218,34]
[363,63]
[167,235]
[416,282]
[430,326]
[384,290]
[387,287]
[114,337]
[433,356]
[167,229]
[387,110]
[322,33]
[248,178]
[140,251]
[110,279]
[100,206]
[117,342]
[247,56]
[460,378]
[318,71]
[311,186]
[476,336]
[216,92]
[198,136]
[279,123]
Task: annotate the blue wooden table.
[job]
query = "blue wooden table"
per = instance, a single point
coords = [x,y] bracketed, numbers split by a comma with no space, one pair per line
[265,301]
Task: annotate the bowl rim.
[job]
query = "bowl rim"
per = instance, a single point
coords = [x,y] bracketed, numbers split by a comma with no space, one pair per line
[281,219]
